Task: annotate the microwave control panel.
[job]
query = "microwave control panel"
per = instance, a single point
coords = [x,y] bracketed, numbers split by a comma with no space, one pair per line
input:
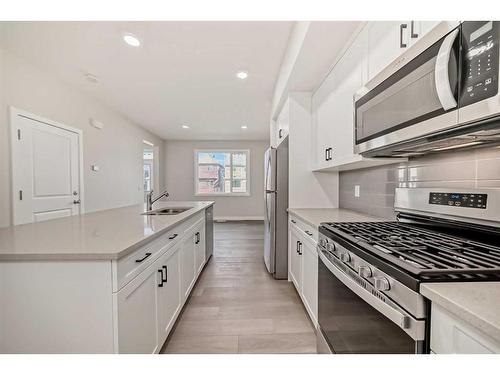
[480,61]
[459,199]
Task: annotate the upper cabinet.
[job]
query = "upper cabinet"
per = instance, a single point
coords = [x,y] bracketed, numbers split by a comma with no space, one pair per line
[386,41]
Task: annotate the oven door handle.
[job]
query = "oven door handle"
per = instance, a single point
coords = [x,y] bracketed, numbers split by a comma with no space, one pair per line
[414,328]
[441,74]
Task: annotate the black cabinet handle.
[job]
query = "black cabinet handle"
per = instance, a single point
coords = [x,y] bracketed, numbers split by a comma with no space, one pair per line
[293,221]
[143,258]
[297,247]
[280,133]
[412,30]
[166,274]
[309,233]
[173,236]
[326,154]
[300,248]
[161,278]
[330,153]
[401,28]
[197,236]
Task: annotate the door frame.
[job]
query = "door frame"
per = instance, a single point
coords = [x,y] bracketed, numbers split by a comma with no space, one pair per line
[14,114]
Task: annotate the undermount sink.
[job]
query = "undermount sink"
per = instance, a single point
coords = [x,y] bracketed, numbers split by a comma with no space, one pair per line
[167,211]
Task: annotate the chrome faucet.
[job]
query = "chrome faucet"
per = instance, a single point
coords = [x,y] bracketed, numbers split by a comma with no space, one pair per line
[150,200]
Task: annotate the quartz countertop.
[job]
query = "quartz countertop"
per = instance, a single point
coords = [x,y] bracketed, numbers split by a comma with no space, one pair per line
[101,235]
[316,216]
[477,303]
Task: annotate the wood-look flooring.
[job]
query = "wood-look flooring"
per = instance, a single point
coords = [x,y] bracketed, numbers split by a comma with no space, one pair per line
[237,307]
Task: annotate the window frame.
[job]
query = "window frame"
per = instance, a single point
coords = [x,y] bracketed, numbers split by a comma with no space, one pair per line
[232,151]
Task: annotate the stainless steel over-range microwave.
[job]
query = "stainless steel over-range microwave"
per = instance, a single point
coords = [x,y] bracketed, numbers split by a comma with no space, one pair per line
[445,96]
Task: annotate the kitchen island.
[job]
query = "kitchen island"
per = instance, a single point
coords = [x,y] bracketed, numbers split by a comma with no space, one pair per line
[112,281]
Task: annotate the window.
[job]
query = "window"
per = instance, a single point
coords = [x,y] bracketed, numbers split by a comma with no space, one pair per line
[222,172]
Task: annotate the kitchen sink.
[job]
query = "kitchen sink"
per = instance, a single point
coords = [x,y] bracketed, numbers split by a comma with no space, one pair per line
[167,211]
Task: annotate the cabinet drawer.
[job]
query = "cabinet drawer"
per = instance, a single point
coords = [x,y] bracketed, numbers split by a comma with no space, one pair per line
[451,335]
[131,265]
[306,229]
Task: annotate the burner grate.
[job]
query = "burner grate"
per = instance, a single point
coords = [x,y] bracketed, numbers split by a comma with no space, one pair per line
[422,251]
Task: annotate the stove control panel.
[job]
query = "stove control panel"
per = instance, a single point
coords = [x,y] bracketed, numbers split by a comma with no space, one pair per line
[470,200]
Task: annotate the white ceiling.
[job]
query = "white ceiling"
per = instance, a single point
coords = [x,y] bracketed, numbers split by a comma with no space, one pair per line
[183,73]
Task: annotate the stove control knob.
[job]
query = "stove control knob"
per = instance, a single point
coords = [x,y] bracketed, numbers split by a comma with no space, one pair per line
[345,257]
[330,247]
[365,272]
[381,283]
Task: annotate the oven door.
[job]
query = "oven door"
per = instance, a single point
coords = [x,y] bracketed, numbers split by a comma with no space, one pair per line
[418,99]
[352,320]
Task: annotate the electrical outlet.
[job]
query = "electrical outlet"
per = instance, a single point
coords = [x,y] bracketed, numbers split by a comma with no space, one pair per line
[356,191]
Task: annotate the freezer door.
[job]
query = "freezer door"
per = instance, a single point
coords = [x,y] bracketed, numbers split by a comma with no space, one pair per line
[270,232]
[270,170]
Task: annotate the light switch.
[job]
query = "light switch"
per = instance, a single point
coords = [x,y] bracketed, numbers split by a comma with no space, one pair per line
[356,191]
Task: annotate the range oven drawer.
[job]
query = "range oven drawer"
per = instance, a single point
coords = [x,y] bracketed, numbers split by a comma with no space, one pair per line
[354,321]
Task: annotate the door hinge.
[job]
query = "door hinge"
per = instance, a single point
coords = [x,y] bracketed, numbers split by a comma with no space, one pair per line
[19,134]
[20,195]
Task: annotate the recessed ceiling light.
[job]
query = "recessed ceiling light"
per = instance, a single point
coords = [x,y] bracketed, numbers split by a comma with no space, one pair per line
[131,40]
[244,127]
[185,127]
[242,74]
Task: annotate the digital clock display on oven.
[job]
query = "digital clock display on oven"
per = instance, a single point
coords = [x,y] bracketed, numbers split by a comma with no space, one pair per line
[470,200]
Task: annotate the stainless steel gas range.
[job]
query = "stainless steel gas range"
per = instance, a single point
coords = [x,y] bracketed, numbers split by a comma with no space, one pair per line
[370,273]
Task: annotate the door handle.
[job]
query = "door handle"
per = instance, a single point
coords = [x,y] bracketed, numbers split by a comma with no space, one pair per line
[401,28]
[441,77]
[161,278]
[146,256]
[77,201]
[166,274]
[413,34]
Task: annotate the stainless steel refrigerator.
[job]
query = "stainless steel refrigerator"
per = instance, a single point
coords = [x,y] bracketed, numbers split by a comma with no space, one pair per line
[276,218]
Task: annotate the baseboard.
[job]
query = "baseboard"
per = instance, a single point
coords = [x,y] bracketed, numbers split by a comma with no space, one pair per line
[239,218]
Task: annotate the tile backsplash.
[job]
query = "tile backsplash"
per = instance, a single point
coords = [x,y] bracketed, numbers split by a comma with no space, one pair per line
[459,169]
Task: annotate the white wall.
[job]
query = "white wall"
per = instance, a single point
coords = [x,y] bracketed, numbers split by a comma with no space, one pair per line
[179,164]
[117,148]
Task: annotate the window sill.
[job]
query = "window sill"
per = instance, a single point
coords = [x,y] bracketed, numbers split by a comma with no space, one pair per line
[222,194]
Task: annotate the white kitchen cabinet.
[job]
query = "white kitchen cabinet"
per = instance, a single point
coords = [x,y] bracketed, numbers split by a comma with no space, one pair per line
[451,335]
[386,41]
[188,274]
[168,292]
[295,259]
[303,269]
[309,256]
[421,28]
[136,313]
[199,246]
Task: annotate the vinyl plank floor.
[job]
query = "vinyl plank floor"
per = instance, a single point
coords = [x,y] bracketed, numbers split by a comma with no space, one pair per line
[237,307]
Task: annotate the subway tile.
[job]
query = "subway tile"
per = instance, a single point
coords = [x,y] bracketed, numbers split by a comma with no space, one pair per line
[443,172]
[488,169]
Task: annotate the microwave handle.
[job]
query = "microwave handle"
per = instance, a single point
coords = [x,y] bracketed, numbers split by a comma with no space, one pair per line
[442,79]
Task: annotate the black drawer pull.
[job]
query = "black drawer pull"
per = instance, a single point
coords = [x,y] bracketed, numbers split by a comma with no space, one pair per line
[300,248]
[326,154]
[413,33]
[166,274]
[161,278]
[197,235]
[143,258]
[401,28]
[293,221]
[309,233]
[280,133]
[172,237]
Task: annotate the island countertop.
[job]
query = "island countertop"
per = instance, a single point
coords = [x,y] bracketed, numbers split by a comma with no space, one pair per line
[102,235]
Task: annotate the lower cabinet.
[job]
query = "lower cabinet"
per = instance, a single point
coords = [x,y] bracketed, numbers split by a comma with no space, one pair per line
[451,335]
[168,293]
[199,245]
[303,268]
[188,264]
[136,314]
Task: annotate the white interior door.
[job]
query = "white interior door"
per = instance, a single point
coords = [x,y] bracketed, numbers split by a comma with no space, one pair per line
[45,170]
